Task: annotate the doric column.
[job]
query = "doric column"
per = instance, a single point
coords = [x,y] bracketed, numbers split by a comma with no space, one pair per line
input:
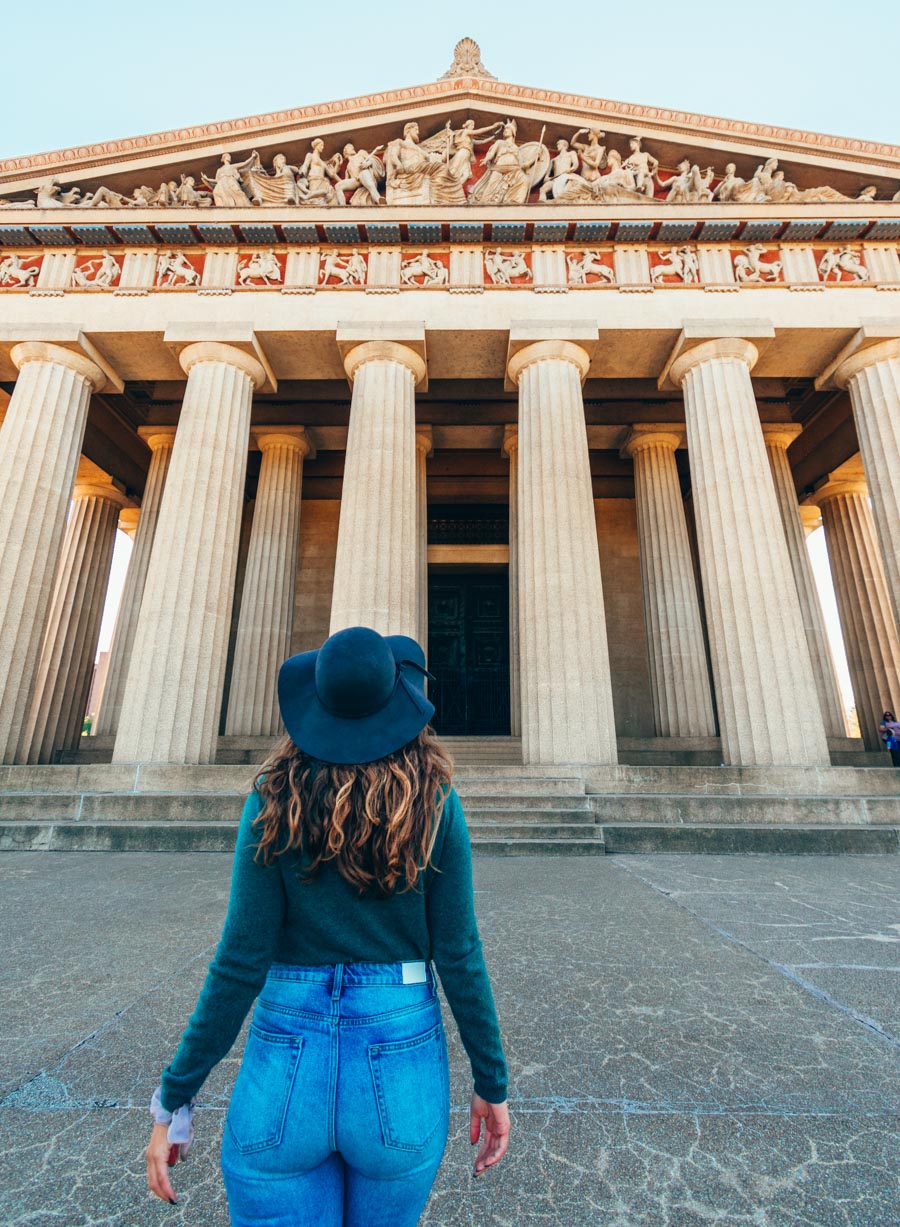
[510,449]
[39,448]
[376,569]
[778,439]
[873,378]
[567,709]
[424,448]
[810,518]
[63,679]
[173,694]
[160,440]
[267,606]
[767,702]
[682,701]
[869,630]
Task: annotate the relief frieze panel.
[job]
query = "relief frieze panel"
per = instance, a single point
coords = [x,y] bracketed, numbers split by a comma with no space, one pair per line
[567,267]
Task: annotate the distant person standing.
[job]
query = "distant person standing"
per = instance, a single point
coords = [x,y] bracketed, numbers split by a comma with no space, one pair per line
[890,735]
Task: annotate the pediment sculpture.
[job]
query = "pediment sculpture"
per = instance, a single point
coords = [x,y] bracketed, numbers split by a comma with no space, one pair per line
[455,166]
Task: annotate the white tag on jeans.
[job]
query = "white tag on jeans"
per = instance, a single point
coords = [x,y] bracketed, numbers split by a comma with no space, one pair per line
[414,973]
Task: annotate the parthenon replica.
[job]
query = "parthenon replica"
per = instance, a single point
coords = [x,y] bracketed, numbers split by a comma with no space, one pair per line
[554,384]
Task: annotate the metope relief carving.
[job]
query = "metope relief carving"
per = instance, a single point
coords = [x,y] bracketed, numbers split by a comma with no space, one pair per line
[842,264]
[260,268]
[174,269]
[590,268]
[341,268]
[680,265]
[506,268]
[18,273]
[97,273]
[423,271]
[753,267]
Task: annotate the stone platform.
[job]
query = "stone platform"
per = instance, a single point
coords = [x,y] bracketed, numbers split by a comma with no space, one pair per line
[691,1041]
[511,809]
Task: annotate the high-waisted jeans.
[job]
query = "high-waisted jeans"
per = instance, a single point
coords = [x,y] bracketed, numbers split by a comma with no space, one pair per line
[340,1111]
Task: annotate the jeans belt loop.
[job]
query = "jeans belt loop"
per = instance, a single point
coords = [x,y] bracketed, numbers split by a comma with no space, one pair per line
[338,981]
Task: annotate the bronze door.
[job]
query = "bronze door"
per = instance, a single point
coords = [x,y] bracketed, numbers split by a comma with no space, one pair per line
[468,653]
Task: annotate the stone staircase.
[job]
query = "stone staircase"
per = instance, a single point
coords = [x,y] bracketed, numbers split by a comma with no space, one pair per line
[511,809]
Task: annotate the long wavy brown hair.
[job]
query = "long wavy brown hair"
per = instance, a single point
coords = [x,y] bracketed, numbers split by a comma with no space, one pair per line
[376,822]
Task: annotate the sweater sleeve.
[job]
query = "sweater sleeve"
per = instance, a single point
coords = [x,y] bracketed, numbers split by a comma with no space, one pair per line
[256,912]
[457,954]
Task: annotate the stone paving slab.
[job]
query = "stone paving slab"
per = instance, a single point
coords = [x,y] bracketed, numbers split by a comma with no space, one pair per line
[670,1064]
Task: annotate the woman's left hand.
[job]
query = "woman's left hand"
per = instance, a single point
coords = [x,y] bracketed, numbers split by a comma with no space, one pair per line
[158,1164]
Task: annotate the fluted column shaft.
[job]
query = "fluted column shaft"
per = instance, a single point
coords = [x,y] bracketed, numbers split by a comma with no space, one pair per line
[767,701]
[424,448]
[39,448]
[376,569]
[161,441]
[266,619]
[873,377]
[567,709]
[778,439]
[860,588]
[173,694]
[511,450]
[682,701]
[63,679]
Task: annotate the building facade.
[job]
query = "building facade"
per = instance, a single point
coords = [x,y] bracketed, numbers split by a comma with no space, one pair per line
[555,385]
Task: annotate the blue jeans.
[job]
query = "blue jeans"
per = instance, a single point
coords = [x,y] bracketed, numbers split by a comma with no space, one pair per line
[340,1111]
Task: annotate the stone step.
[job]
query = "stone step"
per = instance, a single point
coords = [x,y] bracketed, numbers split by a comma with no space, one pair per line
[609,838]
[482,827]
[518,786]
[787,840]
[747,811]
[625,780]
[220,837]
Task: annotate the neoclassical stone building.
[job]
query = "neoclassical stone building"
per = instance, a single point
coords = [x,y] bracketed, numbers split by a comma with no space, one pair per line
[555,384]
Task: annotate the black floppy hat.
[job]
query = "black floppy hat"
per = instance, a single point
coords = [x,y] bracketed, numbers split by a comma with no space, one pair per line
[357,698]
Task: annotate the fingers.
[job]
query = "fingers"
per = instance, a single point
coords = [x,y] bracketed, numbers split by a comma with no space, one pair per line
[157,1166]
[474,1126]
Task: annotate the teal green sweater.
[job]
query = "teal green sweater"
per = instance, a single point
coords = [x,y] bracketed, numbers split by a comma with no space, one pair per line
[274,917]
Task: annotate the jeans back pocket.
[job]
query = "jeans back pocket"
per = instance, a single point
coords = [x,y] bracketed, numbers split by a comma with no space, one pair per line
[409,1080]
[261,1093]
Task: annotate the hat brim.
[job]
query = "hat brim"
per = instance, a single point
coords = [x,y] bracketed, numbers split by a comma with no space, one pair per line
[358,739]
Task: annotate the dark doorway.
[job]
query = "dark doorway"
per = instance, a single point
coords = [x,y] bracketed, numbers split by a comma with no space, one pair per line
[468,652]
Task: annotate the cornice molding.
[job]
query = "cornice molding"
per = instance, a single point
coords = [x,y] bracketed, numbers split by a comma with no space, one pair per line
[455,91]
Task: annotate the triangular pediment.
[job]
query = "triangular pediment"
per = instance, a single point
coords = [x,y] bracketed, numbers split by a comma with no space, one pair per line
[807,160]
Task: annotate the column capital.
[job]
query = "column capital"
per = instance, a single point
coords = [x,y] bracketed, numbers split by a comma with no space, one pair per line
[654,434]
[510,442]
[264,437]
[93,482]
[230,355]
[722,349]
[875,341]
[385,351]
[425,439]
[129,517]
[548,351]
[157,437]
[883,351]
[781,434]
[847,479]
[810,516]
[44,351]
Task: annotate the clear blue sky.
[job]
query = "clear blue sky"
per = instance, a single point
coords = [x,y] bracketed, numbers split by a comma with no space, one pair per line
[93,70]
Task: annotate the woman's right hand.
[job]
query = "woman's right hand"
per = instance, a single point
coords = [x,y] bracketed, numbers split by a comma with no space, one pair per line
[496,1131]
